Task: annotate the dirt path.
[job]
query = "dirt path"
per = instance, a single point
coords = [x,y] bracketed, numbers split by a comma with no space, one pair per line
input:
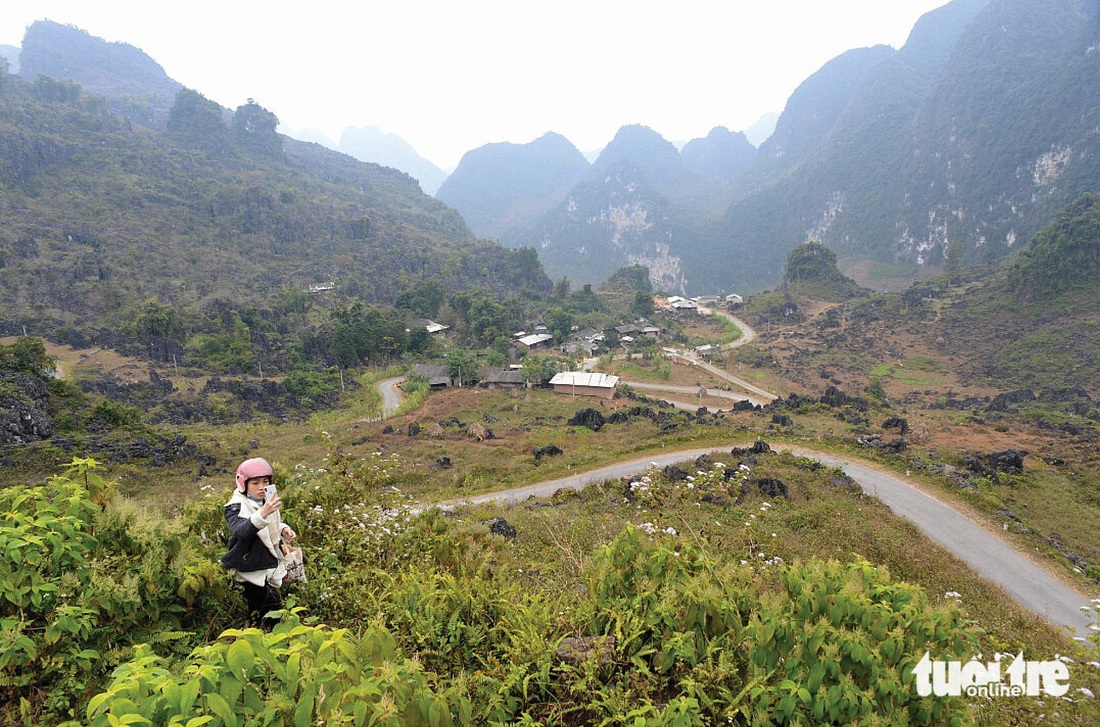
[748,335]
[693,391]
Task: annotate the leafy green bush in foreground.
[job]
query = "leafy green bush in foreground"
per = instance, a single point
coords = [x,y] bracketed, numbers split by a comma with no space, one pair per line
[84,575]
[413,619]
[666,637]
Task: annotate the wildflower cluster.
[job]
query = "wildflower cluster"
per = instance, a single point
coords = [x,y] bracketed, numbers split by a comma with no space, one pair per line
[1093,638]
[349,507]
[341,480]
[658,491]
[362,525]
[753,539]
[651,529]
[655,491]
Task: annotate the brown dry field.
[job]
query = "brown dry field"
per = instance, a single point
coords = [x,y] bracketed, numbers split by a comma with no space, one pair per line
[893,347]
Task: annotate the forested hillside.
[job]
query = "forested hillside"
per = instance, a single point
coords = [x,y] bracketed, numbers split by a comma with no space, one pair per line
[218,218]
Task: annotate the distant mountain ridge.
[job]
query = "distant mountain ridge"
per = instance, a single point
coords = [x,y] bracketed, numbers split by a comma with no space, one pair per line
[971,135]
[504,187]
[371,144]
[761,129]
[721,154]
[585,219]
[816,105]
[973,132]
[657,159]
[611,219]
[136,85]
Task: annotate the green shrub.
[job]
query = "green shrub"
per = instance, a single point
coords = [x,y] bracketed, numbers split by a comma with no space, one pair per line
[836,644]
[115,414]
[299,674]
[312,384]
[661,632]
[84,575]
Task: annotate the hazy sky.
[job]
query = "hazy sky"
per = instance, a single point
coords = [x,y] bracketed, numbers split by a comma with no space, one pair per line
[449,76]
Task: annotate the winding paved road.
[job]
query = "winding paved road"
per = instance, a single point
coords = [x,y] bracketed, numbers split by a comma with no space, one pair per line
[391,398]
[1029,583]
[1032,585]
[765,396]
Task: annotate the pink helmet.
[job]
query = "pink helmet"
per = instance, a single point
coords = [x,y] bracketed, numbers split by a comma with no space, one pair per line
[255,467]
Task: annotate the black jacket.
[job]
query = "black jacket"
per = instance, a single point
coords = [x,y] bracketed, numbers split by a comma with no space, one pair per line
[247,551]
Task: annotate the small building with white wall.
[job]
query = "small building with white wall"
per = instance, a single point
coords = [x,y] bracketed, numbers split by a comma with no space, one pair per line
[585,383]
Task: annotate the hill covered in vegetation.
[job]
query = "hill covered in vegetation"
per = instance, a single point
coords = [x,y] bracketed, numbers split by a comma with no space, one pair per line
[747,585]
[215,227]
[1029,323]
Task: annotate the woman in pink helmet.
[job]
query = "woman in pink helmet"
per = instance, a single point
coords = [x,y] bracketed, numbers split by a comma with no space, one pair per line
[256,533]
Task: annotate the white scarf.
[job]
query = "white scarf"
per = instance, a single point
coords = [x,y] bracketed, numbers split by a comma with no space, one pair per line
[269,536]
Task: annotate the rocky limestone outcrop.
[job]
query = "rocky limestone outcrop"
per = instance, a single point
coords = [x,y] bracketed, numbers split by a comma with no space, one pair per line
[24,416]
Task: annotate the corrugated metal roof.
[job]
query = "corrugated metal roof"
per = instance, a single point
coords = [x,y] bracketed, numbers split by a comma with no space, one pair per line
[584,378]
[535,338]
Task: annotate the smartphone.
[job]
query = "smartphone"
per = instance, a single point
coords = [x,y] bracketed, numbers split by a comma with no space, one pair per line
[270,492]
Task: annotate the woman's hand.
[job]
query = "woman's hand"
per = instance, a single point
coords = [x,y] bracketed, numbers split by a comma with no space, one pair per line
[270,506]
[288,534]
